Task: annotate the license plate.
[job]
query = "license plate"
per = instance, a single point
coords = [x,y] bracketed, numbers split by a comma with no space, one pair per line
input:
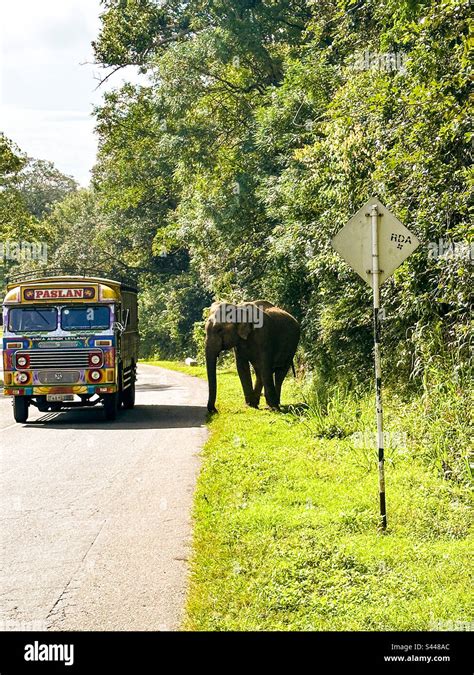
[60,397]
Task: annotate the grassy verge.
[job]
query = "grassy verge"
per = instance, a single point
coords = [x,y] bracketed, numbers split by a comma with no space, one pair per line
[285,514]
[196,371]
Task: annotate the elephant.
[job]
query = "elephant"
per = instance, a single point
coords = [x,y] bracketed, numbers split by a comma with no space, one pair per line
[262,335]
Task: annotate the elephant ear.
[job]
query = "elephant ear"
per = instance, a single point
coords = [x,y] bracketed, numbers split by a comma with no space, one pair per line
[244,330]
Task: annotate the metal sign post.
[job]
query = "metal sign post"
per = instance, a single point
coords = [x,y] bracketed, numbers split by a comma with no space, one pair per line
[374,220]
[375,252]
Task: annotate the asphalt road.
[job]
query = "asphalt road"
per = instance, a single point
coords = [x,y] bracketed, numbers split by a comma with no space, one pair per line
[95,516]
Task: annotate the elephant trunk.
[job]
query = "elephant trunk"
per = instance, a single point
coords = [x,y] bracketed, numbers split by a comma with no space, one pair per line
[211,367]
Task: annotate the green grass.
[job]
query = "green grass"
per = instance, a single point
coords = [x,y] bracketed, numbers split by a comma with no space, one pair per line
[285,521]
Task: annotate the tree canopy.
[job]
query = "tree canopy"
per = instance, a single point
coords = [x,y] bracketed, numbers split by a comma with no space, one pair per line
[265,125]
[262,127]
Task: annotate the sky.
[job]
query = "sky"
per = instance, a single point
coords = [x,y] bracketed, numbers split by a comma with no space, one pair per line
[46,95]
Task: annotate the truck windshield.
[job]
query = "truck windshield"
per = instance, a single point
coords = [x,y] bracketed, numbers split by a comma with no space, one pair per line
[85,318]
[31,319]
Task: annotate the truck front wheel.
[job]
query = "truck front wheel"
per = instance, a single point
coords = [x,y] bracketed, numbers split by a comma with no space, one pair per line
[20,408]
[111,402]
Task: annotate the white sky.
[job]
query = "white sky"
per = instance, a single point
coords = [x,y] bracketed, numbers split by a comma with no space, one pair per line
[46,95]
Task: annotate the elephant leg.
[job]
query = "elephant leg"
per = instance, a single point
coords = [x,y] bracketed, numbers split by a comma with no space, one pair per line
[269,386]
[280,374]
[243,369]
[257,390]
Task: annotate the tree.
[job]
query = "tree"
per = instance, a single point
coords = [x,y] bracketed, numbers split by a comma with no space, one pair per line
[260,133]
[17,224]
[41,185]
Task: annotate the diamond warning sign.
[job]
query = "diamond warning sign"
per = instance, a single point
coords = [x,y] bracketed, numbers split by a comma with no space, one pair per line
[354,242]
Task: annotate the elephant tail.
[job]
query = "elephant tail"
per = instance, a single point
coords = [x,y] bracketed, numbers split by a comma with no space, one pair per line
[293,368]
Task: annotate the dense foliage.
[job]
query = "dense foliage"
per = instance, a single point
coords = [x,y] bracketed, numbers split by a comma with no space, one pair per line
[262,126]
[260,133]
[28,190]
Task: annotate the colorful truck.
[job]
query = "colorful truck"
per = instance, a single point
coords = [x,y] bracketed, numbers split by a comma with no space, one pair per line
[69,341]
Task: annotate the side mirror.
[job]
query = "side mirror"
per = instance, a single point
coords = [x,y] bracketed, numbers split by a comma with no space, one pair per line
[121,326]
[126,318]
[118,326]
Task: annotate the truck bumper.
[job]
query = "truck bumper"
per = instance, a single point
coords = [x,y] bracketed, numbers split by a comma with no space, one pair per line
[88,389]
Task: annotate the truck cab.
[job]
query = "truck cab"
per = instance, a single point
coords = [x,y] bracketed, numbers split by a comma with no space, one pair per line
[70,341]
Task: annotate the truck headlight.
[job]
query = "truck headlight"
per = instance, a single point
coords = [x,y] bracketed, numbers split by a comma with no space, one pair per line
[95,359]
